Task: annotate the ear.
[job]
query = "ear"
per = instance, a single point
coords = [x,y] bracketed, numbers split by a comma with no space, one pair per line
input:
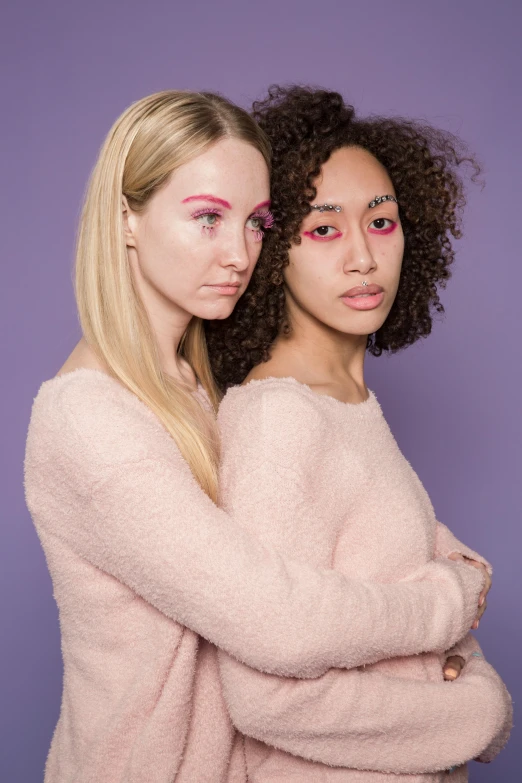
[129,222]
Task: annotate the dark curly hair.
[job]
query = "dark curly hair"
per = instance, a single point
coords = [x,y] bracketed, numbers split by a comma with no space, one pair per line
[305,126]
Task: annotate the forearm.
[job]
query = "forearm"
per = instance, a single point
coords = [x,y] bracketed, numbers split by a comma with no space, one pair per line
[196,565]
[365,720]
[469,650]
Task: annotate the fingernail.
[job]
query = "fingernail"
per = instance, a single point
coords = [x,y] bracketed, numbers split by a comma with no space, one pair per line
[474,626]
[482,599]
[451,673]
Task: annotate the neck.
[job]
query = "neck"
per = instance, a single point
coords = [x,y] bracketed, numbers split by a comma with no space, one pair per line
[168,332]
[320,357]
[168,323]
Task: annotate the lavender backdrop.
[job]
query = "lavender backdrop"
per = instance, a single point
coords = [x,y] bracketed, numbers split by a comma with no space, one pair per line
[70,68]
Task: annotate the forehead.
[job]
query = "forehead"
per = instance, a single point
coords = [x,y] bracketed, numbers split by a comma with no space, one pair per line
[352,174]
[229,168]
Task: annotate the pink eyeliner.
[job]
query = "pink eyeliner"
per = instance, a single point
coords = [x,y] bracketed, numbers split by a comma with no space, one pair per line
[320,239]
[388,230]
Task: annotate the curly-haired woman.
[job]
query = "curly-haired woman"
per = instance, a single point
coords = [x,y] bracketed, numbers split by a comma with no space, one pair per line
[364,214]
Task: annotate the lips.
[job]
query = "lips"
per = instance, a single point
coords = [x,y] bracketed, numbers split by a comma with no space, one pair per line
[363,290]
[225,289]
[363,297]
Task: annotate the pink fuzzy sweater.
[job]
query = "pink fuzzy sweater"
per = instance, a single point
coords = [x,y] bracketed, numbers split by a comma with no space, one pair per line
[326,483]
[144,564]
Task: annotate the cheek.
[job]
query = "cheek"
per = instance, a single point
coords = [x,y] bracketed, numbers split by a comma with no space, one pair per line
[306,271]
[173,257]
[309,281]
[390,259]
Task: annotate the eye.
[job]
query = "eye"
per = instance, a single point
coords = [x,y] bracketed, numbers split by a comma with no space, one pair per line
[208,219]
[324,231]
[259,221]
[381,223]
[256,223]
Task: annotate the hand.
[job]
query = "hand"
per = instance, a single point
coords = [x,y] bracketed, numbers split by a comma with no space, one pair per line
[483,596]
[453,667]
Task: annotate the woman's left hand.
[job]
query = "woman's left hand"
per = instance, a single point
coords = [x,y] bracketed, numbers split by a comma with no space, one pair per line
[487,586]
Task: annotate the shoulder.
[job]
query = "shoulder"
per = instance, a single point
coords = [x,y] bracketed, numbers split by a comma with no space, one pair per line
[273,410]
[272,397]
[86,413]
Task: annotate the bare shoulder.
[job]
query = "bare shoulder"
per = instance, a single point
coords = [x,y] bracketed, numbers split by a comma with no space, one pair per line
[81,358]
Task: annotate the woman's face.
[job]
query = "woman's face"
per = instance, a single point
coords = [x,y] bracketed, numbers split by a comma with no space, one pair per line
[341,250]
[194,246]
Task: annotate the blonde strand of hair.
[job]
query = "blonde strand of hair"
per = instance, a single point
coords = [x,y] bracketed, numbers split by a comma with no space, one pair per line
[145,145]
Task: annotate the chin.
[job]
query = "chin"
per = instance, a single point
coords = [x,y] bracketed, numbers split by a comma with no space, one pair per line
[218,312]
[358,327]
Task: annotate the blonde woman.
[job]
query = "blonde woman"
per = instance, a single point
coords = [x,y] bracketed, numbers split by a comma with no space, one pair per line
[121,470]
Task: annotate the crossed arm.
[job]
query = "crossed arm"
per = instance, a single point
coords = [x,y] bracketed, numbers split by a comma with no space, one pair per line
[350,718]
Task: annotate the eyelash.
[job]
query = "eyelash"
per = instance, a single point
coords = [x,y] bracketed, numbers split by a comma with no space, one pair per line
[266,218]
[199,213]
[388,230]
[317,238]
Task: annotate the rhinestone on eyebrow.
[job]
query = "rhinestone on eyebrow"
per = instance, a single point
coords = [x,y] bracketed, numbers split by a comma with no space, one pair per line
[326,207]
[380,199]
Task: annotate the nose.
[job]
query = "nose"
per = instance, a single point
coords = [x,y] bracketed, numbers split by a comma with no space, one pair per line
[235,254]
[359,257]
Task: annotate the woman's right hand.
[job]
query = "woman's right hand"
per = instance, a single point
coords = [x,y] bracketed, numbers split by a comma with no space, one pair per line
[482,604]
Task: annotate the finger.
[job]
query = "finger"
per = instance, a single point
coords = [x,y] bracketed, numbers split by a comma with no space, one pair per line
[453,667]
[487,576]
[456,556]
[479,617]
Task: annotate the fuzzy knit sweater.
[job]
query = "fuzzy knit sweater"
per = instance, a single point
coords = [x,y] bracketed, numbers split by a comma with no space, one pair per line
[326,483]
[150,577]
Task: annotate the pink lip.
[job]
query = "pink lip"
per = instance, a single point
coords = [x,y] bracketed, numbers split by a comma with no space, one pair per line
[227,289]
[363,297]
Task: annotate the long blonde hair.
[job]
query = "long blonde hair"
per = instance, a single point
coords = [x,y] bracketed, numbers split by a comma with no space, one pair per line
[146,144]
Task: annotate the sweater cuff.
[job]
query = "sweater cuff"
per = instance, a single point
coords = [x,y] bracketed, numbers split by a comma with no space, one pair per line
[447,544]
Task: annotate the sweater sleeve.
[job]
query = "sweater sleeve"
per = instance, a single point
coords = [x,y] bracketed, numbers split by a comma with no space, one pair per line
[104,477]
[370,721]
[446,544]
[275,468]
[469,649]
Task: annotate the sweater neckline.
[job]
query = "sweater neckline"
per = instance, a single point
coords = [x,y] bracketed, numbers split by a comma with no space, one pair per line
[369,403]
[92,370]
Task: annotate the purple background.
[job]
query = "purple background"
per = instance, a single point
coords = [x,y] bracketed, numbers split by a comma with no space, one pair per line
[453,401]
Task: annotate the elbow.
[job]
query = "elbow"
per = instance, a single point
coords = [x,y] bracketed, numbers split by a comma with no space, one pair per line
[246,713]
[288,657]
[251,698]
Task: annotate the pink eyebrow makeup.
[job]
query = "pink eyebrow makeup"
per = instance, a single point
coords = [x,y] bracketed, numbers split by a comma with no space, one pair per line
[207,197]
[261,206]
